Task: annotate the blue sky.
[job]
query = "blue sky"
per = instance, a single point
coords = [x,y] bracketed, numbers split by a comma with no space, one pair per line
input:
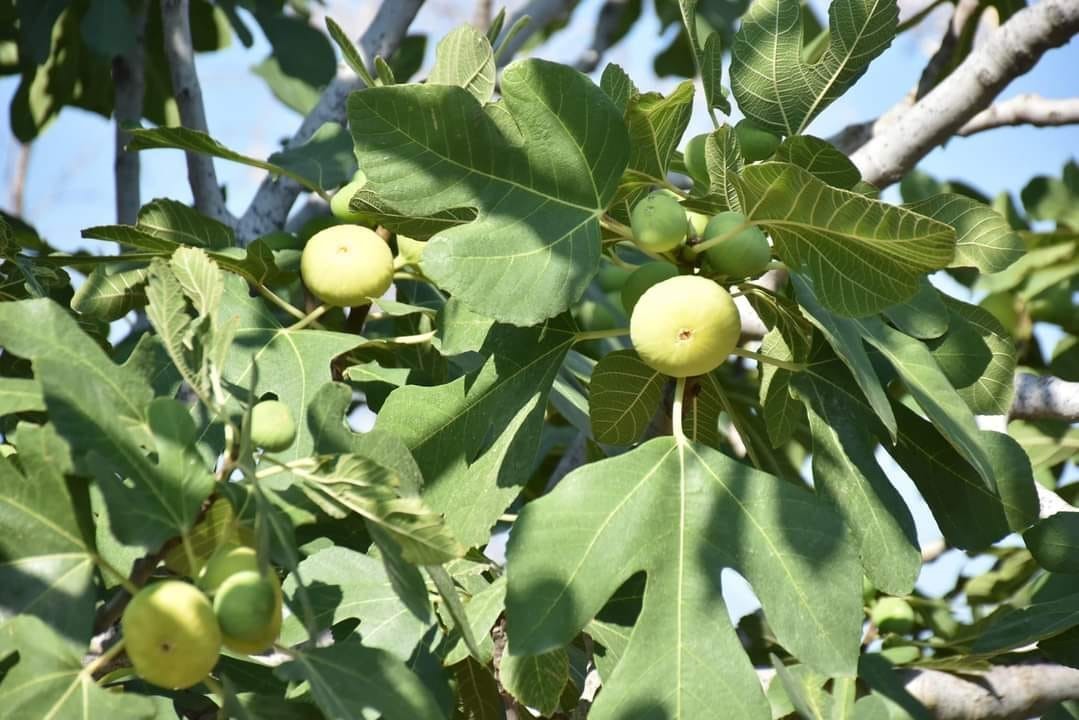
[70,180]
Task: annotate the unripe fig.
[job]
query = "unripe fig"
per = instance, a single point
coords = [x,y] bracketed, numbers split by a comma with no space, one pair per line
[756,142]
[745,254]
[892,615]
[643,278]
[659,223]
[248,609]
[171,634]
[272,426]
[697,222]
[227,563]
[685,326]
[346,265]
[696,167]
[612,278]
[340,200]
[410,251]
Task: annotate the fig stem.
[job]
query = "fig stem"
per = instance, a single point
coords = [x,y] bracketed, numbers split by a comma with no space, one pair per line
[695,250]
[600,334]
[786,365]
[216,688]
[619,262]
[309,318]
[676,410]
[616,227]
[105,658]
[131,588]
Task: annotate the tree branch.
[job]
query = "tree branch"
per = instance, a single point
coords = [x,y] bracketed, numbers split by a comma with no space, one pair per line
[275,196]
[1040,397]
[129,83]
[202,177]
[1011,51]
[607,24]
[1024,110]
[542,13]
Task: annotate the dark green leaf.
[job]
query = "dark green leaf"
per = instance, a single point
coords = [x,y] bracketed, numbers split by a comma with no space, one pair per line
[1054,542]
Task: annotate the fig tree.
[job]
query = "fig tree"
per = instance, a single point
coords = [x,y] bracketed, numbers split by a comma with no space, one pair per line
[272,426]
[892,615]
[685,326]
[696,167]
[659,223]
[171,634]
[743,254]
[346,265]
[756,142]
[340,200]
[643,278]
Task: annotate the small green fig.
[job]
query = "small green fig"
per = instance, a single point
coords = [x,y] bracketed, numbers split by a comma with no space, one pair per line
[272,426]
[892,615]
[659,223]
[171,634]
[643,278]
[696,167]
[756,142]
[339,203]
[741,255]
[685,326]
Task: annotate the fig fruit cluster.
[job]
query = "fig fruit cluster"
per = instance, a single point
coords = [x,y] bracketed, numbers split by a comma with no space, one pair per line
[174,630]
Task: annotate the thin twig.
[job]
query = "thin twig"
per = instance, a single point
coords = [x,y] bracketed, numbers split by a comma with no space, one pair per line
[129,84]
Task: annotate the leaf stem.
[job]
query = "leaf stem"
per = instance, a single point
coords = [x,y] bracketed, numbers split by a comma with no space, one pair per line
[619,262]
[583,335]
[418,339]
[279,301]
[676,410]
[785,364]
[131,588]
[736,422]
[105,658]
[309,318]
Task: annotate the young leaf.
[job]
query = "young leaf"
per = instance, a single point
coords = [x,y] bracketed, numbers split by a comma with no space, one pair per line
[623,395]
[464,58]
[985,240]
[109,293]
[777,88]
[541,196]
[48,679]
[863,255]
[712,512]
[711,61]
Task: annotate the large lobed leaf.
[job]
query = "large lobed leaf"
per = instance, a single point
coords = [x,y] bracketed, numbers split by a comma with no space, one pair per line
[862,255]
[536,171]
[681,513]
[776,86]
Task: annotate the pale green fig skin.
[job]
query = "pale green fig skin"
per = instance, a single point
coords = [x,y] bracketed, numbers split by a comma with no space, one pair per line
[272,426]
[226,562]
[745,254]
[659,223]
[171,634]
[346,265]
[892,615]
[244,605]
[643,278]
[685,326]
[696,166]
[612,278]
[756,142]
[339,203]
[697,223]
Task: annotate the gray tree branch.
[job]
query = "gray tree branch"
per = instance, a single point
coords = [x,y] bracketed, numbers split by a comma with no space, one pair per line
[1041,397]
[129,83]
[275,196]
[1011,51]
[176,25]
[1024,110]
[541,13]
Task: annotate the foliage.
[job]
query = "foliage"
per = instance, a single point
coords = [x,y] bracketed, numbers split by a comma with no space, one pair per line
[508,400]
